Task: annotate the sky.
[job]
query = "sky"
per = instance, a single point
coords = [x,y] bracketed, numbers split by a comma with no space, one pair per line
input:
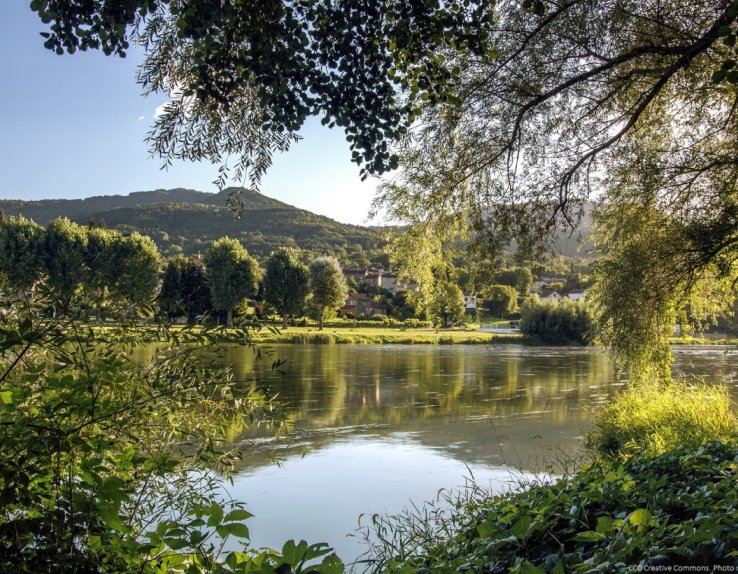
[73,126]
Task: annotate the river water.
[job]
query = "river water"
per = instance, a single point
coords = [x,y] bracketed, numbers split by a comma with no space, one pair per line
[375,428]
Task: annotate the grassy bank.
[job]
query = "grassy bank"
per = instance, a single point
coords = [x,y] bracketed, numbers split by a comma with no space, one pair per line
[374,336]
[658,495]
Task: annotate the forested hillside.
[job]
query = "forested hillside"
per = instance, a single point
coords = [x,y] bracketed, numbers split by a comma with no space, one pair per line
[184,220]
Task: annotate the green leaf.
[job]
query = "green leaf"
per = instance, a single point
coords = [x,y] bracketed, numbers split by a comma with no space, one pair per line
[521,527]
[215,512]
[238,514]
[589,536]
[332,565]
[6,397]
[235,529]
[530,568]
[719,75]
[640,518]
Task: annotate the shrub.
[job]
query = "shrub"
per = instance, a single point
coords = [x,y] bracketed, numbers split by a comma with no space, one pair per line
[652,419]
[646,514]
[548,322]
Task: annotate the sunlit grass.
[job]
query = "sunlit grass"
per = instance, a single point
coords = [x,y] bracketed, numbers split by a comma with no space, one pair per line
[652,418]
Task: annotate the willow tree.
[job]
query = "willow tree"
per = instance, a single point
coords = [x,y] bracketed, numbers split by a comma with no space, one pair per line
[574,97]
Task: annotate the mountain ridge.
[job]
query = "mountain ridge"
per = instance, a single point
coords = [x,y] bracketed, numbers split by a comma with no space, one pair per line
[184,220]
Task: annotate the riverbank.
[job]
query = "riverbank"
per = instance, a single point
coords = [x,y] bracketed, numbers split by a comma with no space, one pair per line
[379,336]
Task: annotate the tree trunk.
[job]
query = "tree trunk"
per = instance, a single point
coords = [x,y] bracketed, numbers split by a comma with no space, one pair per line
[320,321]
[229,317]
[284,320]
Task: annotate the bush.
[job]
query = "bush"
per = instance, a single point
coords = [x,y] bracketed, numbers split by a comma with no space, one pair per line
[647,514]
[550,323]
[651,419]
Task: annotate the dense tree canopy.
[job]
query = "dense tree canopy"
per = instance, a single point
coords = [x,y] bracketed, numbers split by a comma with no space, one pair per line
[21,249]
[285,283]
[447,304]
[184,289]
[327,286]
[501,300]
[244,76]
[64,254]
[231,274]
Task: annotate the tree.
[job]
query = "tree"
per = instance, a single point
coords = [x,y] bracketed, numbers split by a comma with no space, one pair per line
[327,286]
[285,283]
[184,289]
[244,76]
[21,251]
[556,323]
[520,278]
[501,300]
[231,274]
[65,247]
[447,304]
[100,265]
[630,100]
[136,269]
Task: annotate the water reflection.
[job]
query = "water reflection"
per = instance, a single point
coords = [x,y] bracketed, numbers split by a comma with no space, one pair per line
[374,427]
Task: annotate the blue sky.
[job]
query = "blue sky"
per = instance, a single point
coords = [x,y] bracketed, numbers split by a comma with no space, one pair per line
[73,126]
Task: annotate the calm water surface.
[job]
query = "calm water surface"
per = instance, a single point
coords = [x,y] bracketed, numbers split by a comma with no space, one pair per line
[376,427]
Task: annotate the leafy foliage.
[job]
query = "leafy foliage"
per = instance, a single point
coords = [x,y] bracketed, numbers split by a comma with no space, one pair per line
[107,465]
[184,289]
[327,286]
[650,419]
[672,510]
[65,244]
[447,304]
[556,323]
[285,283]
[231,275]
[21,251]
[653,268]
[520,278]
[501,300]
[244,76]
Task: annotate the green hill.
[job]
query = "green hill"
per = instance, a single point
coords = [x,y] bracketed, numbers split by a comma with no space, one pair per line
[185,220]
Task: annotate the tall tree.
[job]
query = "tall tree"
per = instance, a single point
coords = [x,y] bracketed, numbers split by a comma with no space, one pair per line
[184,289]
[65,247]
[21,251]
[501,300]
[100,265]
[136,269]
[447,304]
[520,278]
[285,283]
[231,274]
[327,286]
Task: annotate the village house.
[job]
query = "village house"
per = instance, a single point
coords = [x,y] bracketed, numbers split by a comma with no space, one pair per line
[362,304]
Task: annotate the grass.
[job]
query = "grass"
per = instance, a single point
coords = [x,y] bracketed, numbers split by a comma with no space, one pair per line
[651,419]
[374,335]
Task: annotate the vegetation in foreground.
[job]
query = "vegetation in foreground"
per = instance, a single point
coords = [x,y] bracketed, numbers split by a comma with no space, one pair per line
[108,466]
[660,491]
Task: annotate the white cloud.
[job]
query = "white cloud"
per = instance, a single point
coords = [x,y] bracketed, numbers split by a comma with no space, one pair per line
[159,111]
[140,118]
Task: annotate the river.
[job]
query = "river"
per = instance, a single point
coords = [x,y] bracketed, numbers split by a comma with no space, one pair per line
[374,428]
